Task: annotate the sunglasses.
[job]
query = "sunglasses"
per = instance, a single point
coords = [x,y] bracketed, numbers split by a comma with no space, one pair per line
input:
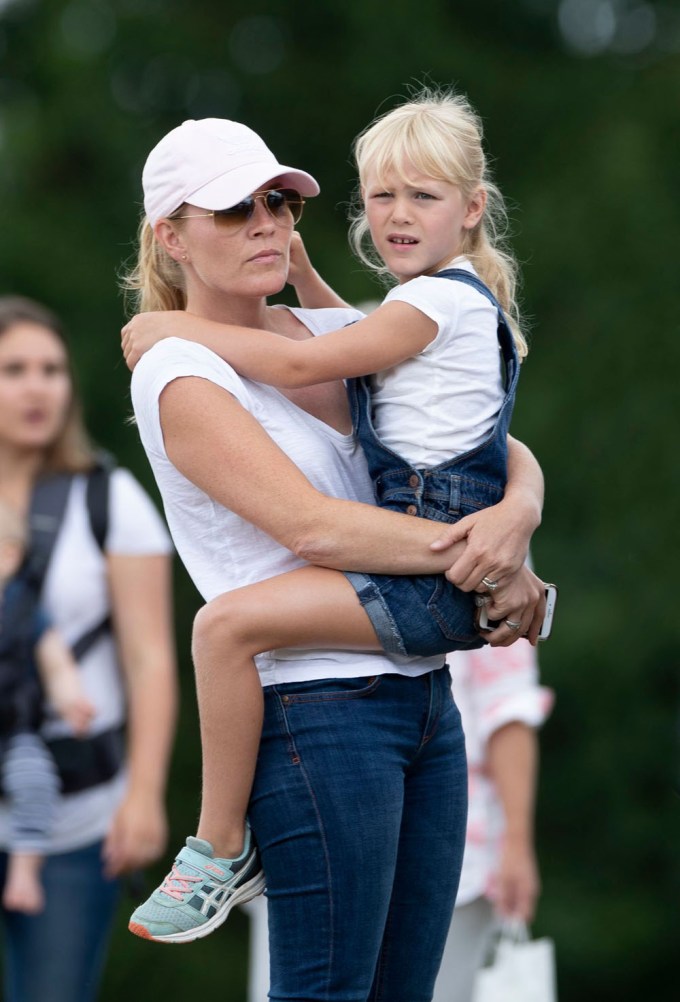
[284,205]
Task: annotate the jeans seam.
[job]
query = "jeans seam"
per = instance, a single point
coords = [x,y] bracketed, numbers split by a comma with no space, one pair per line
[298,762]
[380,966]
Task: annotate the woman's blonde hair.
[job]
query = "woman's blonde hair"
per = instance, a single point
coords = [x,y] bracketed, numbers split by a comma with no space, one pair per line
[155,282]
[439,135]
[71,451]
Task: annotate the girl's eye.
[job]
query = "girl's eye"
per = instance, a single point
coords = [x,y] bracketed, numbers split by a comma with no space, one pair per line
[424,195]
[382,194]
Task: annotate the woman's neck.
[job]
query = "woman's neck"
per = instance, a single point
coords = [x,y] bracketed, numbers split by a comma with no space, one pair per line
[18,471]
[242,312]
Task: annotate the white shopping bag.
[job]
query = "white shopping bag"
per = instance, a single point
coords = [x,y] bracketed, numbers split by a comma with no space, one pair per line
[522,969]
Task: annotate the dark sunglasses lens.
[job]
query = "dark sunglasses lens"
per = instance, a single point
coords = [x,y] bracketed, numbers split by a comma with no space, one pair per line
[281,204]
[236,215]
[285,200]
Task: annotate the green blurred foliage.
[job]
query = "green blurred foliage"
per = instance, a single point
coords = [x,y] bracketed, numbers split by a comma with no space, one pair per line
[584,140]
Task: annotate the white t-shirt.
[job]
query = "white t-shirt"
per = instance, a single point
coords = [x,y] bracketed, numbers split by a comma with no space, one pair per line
[445,400]
[221,550]
[76,598]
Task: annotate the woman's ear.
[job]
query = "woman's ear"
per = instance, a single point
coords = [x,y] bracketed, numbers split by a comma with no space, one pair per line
[170,239]
[475,208]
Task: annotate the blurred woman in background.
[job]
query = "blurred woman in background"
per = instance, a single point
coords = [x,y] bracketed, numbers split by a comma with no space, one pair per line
[111,816]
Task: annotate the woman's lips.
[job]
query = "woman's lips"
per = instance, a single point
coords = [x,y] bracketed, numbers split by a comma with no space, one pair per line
[266,256]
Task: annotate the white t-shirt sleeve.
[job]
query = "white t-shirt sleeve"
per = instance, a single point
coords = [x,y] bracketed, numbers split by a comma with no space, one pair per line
[437,298]
[168,360]
[135,527]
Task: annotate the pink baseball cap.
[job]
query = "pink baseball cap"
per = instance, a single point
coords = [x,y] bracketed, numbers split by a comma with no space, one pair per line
[212,163]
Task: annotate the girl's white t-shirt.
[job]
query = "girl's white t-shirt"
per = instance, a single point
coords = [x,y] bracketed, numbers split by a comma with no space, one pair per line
[76,599]
[445,400]
[221,550]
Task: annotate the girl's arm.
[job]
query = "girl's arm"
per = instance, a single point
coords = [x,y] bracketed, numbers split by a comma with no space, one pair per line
[200,420]
[311,290]
[141,608]
[390,335]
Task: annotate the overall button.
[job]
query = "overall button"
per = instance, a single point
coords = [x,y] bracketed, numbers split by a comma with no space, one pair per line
[411,510]
[413,480]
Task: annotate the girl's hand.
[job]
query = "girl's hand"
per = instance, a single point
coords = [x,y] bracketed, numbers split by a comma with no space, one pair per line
[311,290]
[300,269]
[145,329]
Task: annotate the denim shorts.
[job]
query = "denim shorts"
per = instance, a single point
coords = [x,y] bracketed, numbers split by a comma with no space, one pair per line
[418,615]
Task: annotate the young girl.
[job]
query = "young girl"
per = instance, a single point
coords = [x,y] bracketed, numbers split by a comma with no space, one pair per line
[433,422]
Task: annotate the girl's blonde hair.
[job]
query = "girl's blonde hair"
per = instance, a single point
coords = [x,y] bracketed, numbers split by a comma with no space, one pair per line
[71,451]
[156,281]
[439,135]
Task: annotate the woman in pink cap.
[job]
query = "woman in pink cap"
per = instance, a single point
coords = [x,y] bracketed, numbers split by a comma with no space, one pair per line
[358,800]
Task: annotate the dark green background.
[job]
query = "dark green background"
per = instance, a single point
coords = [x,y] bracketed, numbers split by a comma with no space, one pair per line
[584,133]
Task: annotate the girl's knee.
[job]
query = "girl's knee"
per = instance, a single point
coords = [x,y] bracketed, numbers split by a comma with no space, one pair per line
[224,623]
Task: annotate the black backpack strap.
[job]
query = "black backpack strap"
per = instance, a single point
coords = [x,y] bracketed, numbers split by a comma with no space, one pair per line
[48,504]
[46,512]
[97,494]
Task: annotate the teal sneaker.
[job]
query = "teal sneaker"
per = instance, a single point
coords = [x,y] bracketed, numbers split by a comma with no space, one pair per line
[198,893]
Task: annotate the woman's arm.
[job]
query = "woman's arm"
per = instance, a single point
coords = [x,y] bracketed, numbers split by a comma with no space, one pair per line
[390,335]
[512,757]
[220,447]
[141,608]
[201,421]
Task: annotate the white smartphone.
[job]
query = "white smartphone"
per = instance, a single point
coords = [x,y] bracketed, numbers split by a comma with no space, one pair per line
[484,623]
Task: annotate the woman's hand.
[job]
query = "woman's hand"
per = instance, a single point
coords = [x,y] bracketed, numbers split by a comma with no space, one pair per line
[497,541]
[145,329]
[519,608]
[137,837]
[515,887]
[493,564]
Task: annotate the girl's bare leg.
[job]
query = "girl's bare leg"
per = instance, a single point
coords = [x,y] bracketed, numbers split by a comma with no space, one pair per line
[309,607]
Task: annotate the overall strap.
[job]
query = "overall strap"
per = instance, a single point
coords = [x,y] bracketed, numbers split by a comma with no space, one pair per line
[506,340]
[462,275]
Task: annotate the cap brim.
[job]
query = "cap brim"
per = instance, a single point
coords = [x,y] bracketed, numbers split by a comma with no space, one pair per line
[235,185]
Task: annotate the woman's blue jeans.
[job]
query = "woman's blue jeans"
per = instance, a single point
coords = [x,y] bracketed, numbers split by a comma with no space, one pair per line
[58,956]
[359,809]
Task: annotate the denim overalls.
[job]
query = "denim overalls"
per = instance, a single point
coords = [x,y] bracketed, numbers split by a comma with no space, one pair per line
[427,615]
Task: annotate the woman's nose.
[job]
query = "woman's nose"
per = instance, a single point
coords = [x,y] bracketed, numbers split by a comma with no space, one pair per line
[261,220]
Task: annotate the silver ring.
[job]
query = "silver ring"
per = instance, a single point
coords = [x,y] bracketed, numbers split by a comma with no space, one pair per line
[488,583]
[512,625]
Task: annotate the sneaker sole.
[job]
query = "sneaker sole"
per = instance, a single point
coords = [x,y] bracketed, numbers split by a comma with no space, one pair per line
[249,890]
